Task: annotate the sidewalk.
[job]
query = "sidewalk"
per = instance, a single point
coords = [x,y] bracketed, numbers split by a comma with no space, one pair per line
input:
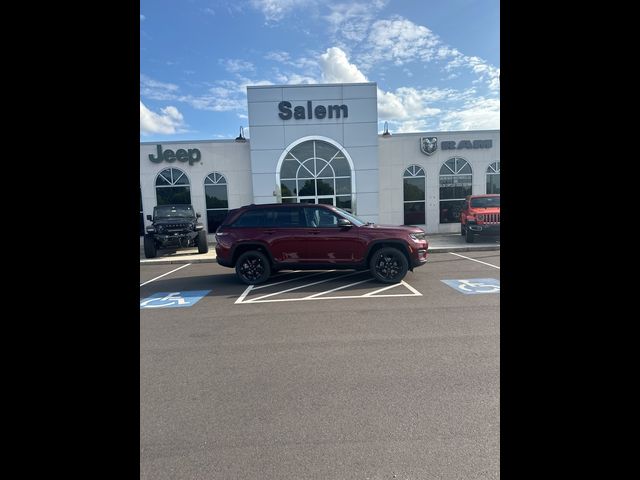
[438,243]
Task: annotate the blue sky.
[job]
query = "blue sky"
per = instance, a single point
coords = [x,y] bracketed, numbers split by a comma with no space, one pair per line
[436,63]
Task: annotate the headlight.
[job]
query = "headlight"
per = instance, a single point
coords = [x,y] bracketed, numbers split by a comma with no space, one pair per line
[418,237]
[150,229]
[481,218]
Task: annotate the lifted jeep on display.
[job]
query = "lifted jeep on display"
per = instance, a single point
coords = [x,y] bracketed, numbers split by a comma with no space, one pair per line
[480,215]
[174,226]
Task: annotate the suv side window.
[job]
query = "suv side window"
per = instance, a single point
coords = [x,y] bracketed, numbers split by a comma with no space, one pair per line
[319,217]
[250,218]
[284,218]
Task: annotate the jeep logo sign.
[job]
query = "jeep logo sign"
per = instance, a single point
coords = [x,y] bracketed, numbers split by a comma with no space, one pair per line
[192,155]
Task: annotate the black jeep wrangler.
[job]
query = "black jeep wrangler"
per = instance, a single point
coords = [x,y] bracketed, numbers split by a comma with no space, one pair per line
[174,226]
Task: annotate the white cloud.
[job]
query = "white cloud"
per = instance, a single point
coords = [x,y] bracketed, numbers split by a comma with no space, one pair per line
[478,114]
[209,11]
[336,68]
[352,20]
[282,57]
[237,65]
[275,10]
[156,90]
[142,18]
[400,41]
[169,121]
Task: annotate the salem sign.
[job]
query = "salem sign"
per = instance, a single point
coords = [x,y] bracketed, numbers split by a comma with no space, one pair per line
[191,155]
[320,111]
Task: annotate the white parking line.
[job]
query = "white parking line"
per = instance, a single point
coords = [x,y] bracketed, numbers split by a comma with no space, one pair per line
[307,285]
[320,295]
[164,274]
[474,260]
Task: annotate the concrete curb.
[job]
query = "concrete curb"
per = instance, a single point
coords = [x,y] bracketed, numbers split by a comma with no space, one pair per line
[208,259]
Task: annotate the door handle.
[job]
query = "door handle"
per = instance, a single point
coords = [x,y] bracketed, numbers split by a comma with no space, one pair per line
[269,231]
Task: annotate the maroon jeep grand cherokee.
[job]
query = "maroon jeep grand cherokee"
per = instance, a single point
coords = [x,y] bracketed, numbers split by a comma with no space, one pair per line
[260,239]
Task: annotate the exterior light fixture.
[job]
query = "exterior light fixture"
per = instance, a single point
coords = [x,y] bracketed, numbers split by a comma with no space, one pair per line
[386,130]
[240,138]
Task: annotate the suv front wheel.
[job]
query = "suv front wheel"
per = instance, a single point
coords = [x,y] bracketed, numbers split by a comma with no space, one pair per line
[253,267]
[149,247]
[389,265]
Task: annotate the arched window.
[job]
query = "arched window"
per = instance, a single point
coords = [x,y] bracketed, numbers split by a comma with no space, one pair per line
[455,185]
[172,187]
[414,195]
[493,178]
[215,192]
[316,171]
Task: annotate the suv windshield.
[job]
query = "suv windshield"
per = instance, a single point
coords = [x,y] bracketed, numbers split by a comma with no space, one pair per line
[485,202]
[184,211]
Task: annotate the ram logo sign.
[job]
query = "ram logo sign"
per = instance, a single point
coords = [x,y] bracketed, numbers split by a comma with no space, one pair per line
[428,145]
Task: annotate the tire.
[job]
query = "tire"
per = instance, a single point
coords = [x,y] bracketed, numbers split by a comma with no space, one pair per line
[202,242]
[253,267]
[389,265]
[150,250]
[469,238]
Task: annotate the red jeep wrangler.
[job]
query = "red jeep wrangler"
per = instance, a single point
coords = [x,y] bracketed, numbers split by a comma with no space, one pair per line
[480,215]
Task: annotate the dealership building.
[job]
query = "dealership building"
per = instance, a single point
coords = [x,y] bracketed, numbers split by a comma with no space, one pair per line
[320,144]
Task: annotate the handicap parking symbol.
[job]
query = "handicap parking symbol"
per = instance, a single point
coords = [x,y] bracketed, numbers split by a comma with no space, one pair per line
[173,299]
[475,285]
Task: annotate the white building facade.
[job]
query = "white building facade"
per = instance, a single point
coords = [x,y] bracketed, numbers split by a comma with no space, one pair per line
[320,144]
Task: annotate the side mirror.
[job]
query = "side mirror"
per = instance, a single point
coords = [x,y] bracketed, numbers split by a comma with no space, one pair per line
[343,222]
[198,215]
[149,218]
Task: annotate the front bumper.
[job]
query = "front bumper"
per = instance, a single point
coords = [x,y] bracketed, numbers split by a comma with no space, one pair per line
[484,229]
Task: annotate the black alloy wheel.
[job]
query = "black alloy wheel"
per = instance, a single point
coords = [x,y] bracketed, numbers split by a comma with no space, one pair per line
[253,267]
[389,265]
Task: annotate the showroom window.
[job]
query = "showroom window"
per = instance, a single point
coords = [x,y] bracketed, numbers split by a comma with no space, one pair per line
[217,199]
[141,215]
[493,178]
[172,187]
[316,171]
[455,185]
[414,195]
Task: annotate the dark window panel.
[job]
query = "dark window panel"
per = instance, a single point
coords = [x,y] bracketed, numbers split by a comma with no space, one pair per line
[450,210]
[414,213]
[288,188]
[414,189]
[289,169]
[215,219]
[343,186]
[173,195]
[324,187]
[216,196]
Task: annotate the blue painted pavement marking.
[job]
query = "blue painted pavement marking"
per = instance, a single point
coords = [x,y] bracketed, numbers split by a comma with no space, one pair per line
[473,286]
[173,299]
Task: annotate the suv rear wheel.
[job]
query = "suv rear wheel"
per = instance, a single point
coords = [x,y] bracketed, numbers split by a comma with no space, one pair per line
[253,267]
[389,265]
[202,242]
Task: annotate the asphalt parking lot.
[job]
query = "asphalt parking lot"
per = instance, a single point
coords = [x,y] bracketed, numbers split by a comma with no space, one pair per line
[321,374]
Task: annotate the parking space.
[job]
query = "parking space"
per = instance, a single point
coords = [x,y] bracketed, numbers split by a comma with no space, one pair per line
[430,285]
[314,368]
